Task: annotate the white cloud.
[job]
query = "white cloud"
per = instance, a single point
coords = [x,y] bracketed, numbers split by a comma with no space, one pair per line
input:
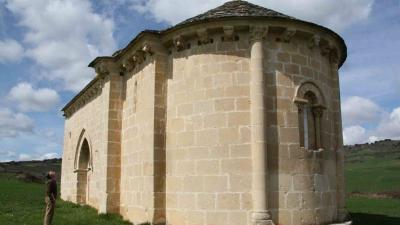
[6,155]
[29,99]
[358,110]
[24,157]
[354,135]
[50,155]
[389,127]
[12,124]
[11,51]
[64,35]
[27,157]
[338,14]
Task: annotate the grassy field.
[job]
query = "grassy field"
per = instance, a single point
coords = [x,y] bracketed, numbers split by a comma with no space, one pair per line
[23,204]
[373,169]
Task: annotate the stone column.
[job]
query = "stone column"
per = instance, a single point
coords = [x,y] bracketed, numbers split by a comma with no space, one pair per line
[260,214]
[317,111]
[342,214]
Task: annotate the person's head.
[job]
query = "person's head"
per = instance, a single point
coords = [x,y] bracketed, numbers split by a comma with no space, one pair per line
[51,174]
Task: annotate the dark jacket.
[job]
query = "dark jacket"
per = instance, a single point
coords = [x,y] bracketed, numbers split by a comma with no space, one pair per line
[51,190]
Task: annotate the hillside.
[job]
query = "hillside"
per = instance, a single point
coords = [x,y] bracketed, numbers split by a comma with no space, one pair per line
[31,170]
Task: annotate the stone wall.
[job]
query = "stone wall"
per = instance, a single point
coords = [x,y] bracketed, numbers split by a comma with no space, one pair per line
[302,181]
[208,164]
[88,122]
[137,156]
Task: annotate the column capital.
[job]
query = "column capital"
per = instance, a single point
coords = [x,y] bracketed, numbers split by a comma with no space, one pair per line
[317,111]
[257,33]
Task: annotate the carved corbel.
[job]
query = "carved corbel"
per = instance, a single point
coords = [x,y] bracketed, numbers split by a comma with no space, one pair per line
[105,67]
[326,49]
[128,64]
[314,41]
[203,36]
[138,57]
[179,43]
[228,33]
[147,48]
[101,69]
[287,35]
[257,33]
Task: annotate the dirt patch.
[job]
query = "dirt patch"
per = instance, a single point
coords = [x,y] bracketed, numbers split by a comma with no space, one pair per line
[378,195]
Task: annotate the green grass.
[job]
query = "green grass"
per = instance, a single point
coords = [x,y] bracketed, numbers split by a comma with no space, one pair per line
[23,204]
[374,175]
[370,172]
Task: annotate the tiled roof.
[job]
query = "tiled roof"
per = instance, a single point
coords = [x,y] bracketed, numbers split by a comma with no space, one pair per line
[236,8]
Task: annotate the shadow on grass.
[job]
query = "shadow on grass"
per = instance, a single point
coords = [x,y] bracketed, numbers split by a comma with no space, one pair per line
[372,219]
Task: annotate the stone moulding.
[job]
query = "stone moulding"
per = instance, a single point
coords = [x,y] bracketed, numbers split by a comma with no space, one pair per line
[306,86]
[140,47]
[83,135]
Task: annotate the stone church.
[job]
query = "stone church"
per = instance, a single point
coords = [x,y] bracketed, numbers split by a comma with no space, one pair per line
[231,117]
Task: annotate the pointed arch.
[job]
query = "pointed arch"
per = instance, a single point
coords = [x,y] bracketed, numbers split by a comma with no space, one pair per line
[83,152]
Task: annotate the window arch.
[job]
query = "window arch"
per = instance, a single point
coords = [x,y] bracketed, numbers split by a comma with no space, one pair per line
[310,103]
[83,152]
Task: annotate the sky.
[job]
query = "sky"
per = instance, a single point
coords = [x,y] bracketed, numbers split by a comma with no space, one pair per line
[46,45]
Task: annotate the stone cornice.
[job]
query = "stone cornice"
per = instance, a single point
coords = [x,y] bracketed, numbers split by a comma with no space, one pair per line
[91,91]
[148,43]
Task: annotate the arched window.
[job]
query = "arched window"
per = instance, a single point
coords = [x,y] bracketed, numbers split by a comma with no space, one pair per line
[310,104]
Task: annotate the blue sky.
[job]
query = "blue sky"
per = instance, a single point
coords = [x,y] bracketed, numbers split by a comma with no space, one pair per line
[45,46]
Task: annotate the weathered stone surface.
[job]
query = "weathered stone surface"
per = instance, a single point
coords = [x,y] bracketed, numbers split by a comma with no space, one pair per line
[206,126]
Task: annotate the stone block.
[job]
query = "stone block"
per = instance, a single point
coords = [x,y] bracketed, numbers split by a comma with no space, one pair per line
[228,201]
[292,69]
[193,184]
[238,118]
[224,104]
[303,183]
[215,183]
[298,59]
[215,120]
[236,166]
[228,136]
[237,218]
[207,167]
[293,200]
[216,218]
[206,201]
[283,57]
[239,183]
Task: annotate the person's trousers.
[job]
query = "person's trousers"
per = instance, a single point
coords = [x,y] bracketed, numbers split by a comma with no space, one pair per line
[48,216]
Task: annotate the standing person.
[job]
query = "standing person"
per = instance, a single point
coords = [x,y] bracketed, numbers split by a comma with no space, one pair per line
[51,196]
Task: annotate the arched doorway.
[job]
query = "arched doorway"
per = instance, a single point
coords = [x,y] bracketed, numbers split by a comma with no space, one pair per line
[83,168]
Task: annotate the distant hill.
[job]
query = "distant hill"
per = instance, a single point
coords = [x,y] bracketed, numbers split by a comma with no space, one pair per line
[31,171]
[385,149]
